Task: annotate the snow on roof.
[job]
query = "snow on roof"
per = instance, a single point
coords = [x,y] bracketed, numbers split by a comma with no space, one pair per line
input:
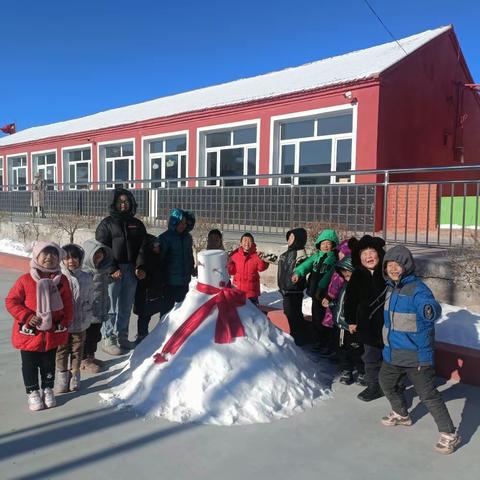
[350,67]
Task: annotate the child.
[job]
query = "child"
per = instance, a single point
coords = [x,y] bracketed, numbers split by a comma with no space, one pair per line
[245,265]
[292,293]
[148,296]
[215,240]
[364,300]
[97,262]
[321,266]
[176,253]
[409,316]
[41,305]
[351,350]
[81,285]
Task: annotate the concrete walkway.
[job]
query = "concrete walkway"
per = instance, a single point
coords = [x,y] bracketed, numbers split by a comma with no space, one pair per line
[339,439]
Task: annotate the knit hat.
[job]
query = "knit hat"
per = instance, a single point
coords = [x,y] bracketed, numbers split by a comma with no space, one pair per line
[367,241]
[38,248]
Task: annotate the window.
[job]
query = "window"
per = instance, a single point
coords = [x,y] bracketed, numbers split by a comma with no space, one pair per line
[1,174]
[230,153]
[18,169]
[78,168]
[46,165]
[167,160]
[317,144]
[119,164]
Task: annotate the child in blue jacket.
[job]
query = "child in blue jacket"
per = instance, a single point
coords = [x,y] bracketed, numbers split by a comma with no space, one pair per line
[408,335]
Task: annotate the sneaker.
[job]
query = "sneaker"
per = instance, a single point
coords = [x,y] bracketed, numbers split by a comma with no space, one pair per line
[35,401]
[447,443]
[372,392]
[393,419]
[89,366]
[62,380]
[110,345]
[346,378]
[49,398]
[75,381]
[361,380]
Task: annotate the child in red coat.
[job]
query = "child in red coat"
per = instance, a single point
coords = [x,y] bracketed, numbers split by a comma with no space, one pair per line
[41,305]
[244,265]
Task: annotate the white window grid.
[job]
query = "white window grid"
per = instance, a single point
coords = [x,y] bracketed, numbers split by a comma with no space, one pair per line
[46,162]
[16,170]
[75,164]
[218,150]
[112,161]
[162,158]
[1,174]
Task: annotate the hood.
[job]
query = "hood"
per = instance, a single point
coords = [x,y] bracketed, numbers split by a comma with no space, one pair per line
[176,216]
[403,256]
[345,264]
[367,241]
[90,247]
[326,234]
[344,247]
[133,203]
[300,238]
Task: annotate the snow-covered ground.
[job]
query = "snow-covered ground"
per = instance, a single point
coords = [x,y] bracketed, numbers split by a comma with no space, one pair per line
[13,247]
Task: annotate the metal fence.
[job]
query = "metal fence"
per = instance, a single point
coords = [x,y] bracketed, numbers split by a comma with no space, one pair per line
[430,206]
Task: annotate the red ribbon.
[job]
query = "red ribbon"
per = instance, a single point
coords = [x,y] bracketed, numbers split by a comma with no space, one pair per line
[228,327]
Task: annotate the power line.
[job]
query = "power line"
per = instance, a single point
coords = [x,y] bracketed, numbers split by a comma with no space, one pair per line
[384,26]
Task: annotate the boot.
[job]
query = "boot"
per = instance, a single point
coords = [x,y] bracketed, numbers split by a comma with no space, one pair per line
[75,381]
[372,392]
[125,343]
[62,380]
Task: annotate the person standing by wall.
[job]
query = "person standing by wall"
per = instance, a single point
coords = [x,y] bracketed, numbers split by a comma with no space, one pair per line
[124,234]
[38,195]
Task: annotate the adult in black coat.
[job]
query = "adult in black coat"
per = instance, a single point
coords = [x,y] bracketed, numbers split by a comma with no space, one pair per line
[124,234]
[149,292]
[364,299]
[293,292]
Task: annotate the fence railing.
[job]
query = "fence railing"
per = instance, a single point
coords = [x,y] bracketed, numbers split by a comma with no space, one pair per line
[427,206]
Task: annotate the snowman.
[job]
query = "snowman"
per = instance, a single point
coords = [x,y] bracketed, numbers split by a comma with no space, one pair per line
[215,358]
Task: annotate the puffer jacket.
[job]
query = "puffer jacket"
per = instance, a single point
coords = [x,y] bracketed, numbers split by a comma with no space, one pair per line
[21,303]
[101,279]
[321,265]
[176,250]
[122,232]
[409,314]
[245,268]
[289,260]
[81,285]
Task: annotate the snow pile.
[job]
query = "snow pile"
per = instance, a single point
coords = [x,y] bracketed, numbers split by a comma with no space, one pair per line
[458,326]
[13,247]
[256,379]
[271,297]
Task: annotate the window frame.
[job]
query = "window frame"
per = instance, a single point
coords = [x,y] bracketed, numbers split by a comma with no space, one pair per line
[102,168]
[203,150]
[12,169]
[276,142]
[2,171]
[36,169]
[67,163]
[149,157]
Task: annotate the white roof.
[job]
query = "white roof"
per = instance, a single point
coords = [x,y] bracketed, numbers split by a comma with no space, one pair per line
[354,66]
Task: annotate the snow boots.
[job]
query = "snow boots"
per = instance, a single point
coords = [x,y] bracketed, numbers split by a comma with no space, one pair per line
[62,380]
[372,392]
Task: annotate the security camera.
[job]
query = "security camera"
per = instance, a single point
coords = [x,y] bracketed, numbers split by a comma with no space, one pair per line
[348,94]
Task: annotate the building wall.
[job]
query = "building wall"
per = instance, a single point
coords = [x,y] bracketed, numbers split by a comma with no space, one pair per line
[365,151]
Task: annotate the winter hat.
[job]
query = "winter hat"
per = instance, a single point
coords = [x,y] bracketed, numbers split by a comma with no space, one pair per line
[367,241]
[300,241]
[345,264]
[403,256]
[132,210]
[177,215]
[38,248]
[344,247]
[327,234]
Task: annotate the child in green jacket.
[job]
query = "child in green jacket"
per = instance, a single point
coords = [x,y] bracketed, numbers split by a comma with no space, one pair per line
[320,266]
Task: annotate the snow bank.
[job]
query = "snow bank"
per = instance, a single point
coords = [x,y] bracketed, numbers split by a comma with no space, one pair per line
[13,247]
[256,379]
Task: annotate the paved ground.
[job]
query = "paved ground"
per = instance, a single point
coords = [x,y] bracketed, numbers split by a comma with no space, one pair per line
[339,439]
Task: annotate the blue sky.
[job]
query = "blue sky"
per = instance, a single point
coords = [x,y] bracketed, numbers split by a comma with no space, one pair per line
[65,59]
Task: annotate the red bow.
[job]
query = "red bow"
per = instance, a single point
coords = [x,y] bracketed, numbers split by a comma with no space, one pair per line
[228,327]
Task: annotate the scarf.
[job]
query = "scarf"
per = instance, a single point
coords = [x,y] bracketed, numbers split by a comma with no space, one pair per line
[48,296]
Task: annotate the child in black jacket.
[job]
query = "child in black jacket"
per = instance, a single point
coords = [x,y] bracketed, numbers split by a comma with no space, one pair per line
[292,293]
